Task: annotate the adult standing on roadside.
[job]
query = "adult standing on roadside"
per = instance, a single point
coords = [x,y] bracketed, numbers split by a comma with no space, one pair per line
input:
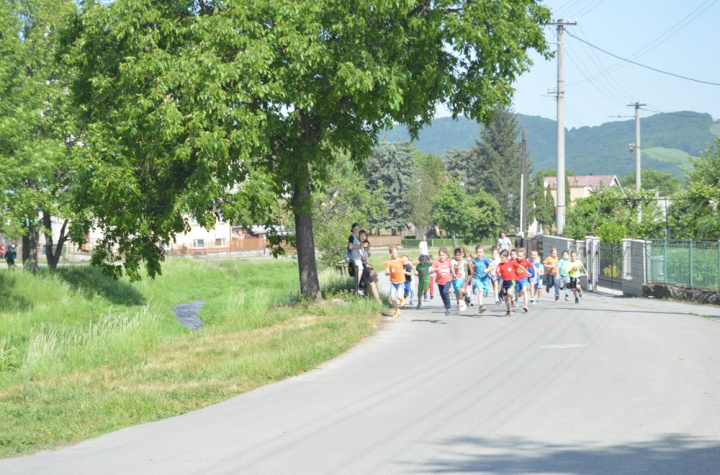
[354,246]
[424,247]
[369,274]
[10,256]
[503,244]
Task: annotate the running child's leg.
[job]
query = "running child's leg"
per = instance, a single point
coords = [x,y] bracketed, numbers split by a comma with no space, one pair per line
[395,293]
[444,291]
[507,287]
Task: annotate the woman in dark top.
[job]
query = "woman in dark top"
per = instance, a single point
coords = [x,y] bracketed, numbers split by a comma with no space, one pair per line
[355,247]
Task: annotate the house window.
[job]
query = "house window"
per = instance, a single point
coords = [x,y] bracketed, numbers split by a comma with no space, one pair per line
[198,244]
[220,242]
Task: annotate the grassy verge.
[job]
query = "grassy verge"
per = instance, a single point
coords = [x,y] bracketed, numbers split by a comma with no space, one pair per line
[81,355]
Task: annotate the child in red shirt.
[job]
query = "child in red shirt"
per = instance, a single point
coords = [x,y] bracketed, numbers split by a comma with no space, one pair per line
[443,277]
[522,279]
[507,270]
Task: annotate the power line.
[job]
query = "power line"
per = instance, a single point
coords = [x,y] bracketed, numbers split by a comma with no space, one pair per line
[606,74]
[604,89]
[675,29]
[589,8]
[642,65]
[669,33]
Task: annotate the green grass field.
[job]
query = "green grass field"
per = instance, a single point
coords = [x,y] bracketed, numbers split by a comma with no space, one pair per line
[668,155]
[82,355]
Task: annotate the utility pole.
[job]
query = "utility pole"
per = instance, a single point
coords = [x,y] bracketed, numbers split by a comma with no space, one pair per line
[523,184]
[638,167]
[560,128]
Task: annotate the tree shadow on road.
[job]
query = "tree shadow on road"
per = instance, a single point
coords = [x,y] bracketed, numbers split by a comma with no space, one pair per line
[671,454]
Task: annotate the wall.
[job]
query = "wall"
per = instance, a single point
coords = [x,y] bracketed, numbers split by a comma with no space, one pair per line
[633,267]
[592,261]
[633,277]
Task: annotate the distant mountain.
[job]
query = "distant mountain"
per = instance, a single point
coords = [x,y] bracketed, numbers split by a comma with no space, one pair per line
[668,142]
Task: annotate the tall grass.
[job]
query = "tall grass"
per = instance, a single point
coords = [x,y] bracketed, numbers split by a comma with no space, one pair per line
[81,355]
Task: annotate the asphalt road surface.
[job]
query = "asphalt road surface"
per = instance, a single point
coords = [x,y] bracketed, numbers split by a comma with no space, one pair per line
[609,386]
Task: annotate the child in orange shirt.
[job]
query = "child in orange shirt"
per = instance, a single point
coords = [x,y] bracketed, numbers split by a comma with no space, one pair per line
[551,273]
[394,268]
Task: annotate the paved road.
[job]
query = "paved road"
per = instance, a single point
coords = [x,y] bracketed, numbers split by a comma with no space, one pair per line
[609,386]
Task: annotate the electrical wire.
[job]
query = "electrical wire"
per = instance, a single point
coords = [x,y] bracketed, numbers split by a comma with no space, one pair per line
[642,65]
[589,8]
[669,33]
[602,89]
[601,68]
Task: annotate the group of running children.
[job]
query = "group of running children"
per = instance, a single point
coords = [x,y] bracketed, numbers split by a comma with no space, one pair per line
[509,274]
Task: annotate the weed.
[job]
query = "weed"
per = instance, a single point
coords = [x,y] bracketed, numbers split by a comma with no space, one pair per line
[81,356]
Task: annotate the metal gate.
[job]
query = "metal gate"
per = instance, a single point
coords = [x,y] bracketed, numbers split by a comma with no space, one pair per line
[611,261]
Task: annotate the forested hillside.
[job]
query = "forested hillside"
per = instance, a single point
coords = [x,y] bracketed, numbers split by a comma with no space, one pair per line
[668,140]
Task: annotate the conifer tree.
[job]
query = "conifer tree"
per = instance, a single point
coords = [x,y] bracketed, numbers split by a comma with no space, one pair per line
[390,169]
[499,164]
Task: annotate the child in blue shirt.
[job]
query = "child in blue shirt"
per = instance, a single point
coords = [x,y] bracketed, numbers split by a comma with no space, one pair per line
[482,266]
[536,289]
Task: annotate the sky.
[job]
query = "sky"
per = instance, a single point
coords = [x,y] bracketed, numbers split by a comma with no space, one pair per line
[677,37]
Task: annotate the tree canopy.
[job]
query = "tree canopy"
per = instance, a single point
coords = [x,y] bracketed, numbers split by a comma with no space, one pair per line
[663,182]
[694,213]
[493,165]
[341,201]
[37,126]
[188,103]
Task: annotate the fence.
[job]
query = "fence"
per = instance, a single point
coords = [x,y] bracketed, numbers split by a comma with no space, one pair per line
[610,272]
[381,241]
[684,262]
[75,252]
[436,243]
[432,243]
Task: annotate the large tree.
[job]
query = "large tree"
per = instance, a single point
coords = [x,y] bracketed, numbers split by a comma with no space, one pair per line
[474,217]
[343,200]
[427,181]
[541,206]
[694,213]
[186,99]
[390,170]
[450,209]
[36,125]
[612,214]
[652,180]
[500,159]
[493,164]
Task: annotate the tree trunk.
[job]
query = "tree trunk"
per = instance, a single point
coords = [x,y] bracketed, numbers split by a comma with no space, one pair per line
[454,240]
[305,239]
[25,250]
[33,237]
[53,253]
